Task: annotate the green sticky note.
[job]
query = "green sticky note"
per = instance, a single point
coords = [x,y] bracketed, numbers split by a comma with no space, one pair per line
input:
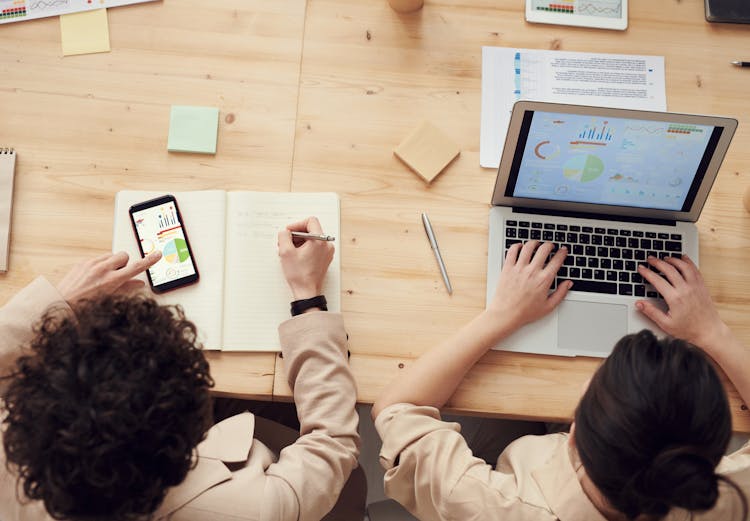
[193,129]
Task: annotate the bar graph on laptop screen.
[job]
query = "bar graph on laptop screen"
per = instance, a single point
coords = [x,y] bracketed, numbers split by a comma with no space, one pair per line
[612,161]
[601,8]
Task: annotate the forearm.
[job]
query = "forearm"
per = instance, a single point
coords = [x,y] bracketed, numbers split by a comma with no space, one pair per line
[733,358]
[434,377]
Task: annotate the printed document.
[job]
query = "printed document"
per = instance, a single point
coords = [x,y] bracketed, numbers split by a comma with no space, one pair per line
[604,80]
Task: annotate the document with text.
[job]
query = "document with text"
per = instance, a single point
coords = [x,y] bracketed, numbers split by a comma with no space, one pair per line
[578,78]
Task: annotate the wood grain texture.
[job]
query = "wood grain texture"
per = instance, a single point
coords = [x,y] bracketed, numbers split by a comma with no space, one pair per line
[369,75]
[88,126]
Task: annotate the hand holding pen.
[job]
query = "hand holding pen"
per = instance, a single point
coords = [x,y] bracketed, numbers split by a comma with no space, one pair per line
[305,263]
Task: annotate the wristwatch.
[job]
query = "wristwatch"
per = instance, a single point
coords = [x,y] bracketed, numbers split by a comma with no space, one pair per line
[300,306]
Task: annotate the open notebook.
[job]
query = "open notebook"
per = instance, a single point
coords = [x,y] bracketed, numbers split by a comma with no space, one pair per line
[242,296]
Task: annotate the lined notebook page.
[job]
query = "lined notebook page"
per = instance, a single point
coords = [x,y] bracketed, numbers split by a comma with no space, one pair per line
[203,213]
[7,169]
[257,297]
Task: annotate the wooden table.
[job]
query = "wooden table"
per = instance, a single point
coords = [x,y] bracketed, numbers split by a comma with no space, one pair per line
[321,92]
[88,126]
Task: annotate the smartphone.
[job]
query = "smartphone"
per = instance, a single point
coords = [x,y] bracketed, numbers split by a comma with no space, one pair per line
[157,224]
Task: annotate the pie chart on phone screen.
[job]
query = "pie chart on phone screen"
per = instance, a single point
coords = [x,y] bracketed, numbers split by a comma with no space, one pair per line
[175,251]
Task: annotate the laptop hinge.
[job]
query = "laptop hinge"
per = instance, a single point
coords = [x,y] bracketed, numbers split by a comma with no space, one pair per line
[584,215]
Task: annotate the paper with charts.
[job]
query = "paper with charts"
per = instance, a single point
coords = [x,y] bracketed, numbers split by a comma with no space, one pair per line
[20,10]
[604,80]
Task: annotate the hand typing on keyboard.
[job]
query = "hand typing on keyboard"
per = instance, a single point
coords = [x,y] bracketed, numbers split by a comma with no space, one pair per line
[522,293]
[600,260]
[692,315]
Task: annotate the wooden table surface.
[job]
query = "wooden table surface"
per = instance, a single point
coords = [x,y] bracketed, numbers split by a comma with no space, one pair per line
[320,92]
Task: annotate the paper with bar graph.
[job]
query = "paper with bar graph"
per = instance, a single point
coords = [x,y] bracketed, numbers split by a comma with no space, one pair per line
[20,10]
[605,80]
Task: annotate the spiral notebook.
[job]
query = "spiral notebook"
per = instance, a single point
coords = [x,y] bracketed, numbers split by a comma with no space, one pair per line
[7,169]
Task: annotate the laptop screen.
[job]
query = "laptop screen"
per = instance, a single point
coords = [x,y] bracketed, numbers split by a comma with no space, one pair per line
[611,161]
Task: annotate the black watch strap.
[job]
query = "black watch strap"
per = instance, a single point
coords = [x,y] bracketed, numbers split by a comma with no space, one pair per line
[300,306]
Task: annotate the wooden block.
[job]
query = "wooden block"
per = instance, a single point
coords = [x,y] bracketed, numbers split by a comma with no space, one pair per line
[427,151]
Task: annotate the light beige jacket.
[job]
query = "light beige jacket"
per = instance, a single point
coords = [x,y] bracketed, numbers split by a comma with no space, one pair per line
[301,483]
[431,471]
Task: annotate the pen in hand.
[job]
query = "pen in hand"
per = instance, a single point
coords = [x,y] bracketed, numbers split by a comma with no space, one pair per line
[436,251]
[313,236]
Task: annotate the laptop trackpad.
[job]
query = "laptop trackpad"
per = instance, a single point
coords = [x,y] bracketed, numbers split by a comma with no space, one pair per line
[588,327]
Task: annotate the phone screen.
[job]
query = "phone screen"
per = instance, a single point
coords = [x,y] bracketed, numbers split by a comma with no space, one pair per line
[158,226]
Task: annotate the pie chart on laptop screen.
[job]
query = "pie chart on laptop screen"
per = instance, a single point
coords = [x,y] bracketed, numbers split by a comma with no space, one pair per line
[584,168]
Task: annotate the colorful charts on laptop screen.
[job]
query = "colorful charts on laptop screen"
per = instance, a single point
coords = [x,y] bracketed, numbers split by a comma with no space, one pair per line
[614,161]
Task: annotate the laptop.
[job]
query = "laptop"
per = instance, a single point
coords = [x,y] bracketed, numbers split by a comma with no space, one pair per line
[612,185]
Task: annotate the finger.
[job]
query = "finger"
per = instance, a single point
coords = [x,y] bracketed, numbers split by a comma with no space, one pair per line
[141,265]
[313,225]
[656,280]
[683,267]
[558,295]
[687,268]
[553,266]
[673,276]
[541,254]
[116,261]
[101,258]
[299,226]
[512,256]
[658,316]
[285,241]
[527,251]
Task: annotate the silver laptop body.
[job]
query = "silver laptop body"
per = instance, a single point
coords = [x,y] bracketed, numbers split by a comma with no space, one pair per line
[613,185]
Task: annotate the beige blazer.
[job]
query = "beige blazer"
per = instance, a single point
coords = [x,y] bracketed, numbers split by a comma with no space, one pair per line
[301,483]
[432,472]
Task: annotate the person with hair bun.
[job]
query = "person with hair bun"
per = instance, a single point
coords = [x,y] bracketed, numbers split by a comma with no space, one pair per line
[649,433]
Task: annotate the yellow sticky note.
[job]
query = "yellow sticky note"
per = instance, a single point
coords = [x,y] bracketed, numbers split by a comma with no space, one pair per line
[85,32]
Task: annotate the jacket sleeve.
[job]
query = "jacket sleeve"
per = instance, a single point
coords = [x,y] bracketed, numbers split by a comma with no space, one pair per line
[318,464]
[432,472]
[18,316]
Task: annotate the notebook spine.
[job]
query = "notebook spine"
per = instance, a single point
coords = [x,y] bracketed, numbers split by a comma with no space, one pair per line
[6,151]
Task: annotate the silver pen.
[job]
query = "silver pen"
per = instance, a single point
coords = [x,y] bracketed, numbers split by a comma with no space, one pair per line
[436,250]
[313,236]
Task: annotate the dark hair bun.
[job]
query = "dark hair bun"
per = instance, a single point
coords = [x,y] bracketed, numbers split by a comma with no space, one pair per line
[678,476]
[649,440]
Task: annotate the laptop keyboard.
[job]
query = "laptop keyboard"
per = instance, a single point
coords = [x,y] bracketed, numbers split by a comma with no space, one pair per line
[600,260]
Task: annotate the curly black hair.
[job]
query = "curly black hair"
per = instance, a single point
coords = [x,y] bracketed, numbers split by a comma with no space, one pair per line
[105,412]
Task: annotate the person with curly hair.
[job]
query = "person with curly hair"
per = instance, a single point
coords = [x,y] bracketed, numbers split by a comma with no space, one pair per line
[650,432]
[108,416]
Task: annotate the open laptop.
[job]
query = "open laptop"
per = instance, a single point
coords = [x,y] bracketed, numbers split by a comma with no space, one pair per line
[612,185]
